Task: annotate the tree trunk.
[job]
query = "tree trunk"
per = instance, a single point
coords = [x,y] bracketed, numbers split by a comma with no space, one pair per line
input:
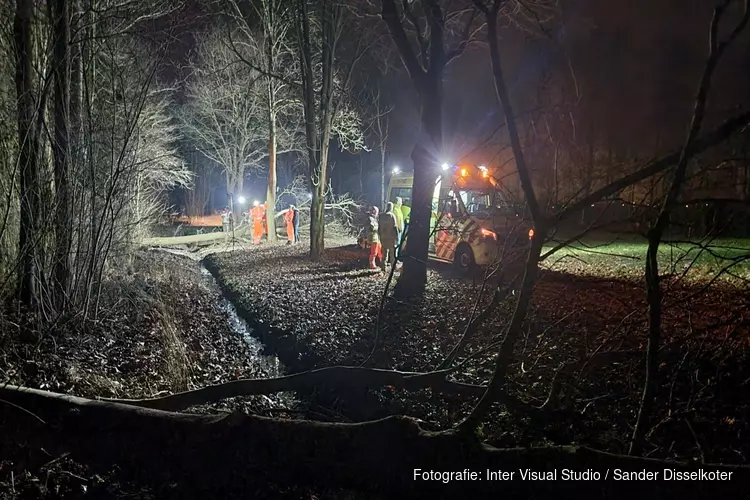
[269,26]
[655,234]
[224,456]
[361,174]
[414,275]
[29,188]
[318,145]
[317,207]
[271,193]
[76,151]
[589,173]
[237,207]
[311,129]
[317,223]
[235,183]
[531,270]
[654,298]
[382,177]
[60,149]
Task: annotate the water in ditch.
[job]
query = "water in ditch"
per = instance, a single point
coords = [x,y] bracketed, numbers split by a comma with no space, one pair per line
[262,365]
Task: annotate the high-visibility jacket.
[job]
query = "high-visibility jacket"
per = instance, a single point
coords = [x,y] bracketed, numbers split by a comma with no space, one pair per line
[399,214]
[257,213]
[226,217]
[289,217]
[405,211]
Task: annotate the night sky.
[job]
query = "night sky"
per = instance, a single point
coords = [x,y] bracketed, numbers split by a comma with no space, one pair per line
[636,66]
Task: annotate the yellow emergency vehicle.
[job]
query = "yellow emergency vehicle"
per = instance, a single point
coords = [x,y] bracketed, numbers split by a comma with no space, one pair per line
[472,222]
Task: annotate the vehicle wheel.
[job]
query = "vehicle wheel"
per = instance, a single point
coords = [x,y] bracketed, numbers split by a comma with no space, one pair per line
[464,258]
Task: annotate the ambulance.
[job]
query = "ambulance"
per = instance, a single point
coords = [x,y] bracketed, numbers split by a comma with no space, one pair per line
[472,223]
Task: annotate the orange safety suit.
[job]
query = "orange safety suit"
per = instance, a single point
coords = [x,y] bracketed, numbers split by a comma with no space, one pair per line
[289,220]
[256,215]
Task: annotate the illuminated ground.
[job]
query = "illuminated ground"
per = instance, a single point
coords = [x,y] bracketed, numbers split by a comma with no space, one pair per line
[331,308]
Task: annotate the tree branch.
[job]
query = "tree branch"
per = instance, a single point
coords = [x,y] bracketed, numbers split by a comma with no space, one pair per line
[389,14]
[216,455]
[334,377]
[423,45]
[466,38]
[717,136]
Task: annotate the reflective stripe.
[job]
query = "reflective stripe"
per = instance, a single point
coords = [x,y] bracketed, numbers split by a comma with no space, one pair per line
[471,232]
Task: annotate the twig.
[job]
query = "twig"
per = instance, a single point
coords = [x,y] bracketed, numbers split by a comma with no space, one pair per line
[23,410]
[697,441]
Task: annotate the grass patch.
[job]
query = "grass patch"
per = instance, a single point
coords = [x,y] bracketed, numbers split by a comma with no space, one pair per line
[698,260]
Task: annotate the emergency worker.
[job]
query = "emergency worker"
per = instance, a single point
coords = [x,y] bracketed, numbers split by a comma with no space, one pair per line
[226,219]
[388,232]
[405,212]
[372,236]
[295,222]
[257,214]
[289,221]
[399,214]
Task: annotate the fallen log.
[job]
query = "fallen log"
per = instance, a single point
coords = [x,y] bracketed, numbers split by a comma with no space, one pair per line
[159,241]
[338,378]
[335,377]
[221,456]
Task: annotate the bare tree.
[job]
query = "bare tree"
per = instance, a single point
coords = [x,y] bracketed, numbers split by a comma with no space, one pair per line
[422,32]
[505,354]
[380,122]
[272,55]
[341,206]
[197,198]
[80,199]
[31,98]
[327,112]
[544,223]
[224,115]
[130,159]
[716,48]
[61,21]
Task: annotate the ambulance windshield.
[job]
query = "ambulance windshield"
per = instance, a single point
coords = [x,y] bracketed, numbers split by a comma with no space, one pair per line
[476,202]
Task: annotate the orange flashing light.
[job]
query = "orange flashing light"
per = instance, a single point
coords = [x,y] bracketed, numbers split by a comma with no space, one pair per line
[464,172]
[531,234]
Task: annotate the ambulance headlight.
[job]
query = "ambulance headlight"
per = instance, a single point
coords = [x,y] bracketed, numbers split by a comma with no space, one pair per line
[486,233]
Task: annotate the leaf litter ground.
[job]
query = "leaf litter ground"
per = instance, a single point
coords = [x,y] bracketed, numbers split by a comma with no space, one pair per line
[585,332]
[163,328]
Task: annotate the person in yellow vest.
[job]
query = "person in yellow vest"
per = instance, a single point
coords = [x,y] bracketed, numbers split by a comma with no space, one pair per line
[399,214]
[405,211]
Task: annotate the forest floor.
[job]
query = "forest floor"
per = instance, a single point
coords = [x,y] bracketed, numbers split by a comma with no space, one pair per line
[592,322]
[164,327]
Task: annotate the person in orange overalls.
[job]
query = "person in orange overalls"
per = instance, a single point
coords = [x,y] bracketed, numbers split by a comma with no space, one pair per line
[289,220]
[257,213]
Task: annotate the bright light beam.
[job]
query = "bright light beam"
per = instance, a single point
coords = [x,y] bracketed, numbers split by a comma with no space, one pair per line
[445,166]
[241,200]
[396,170]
